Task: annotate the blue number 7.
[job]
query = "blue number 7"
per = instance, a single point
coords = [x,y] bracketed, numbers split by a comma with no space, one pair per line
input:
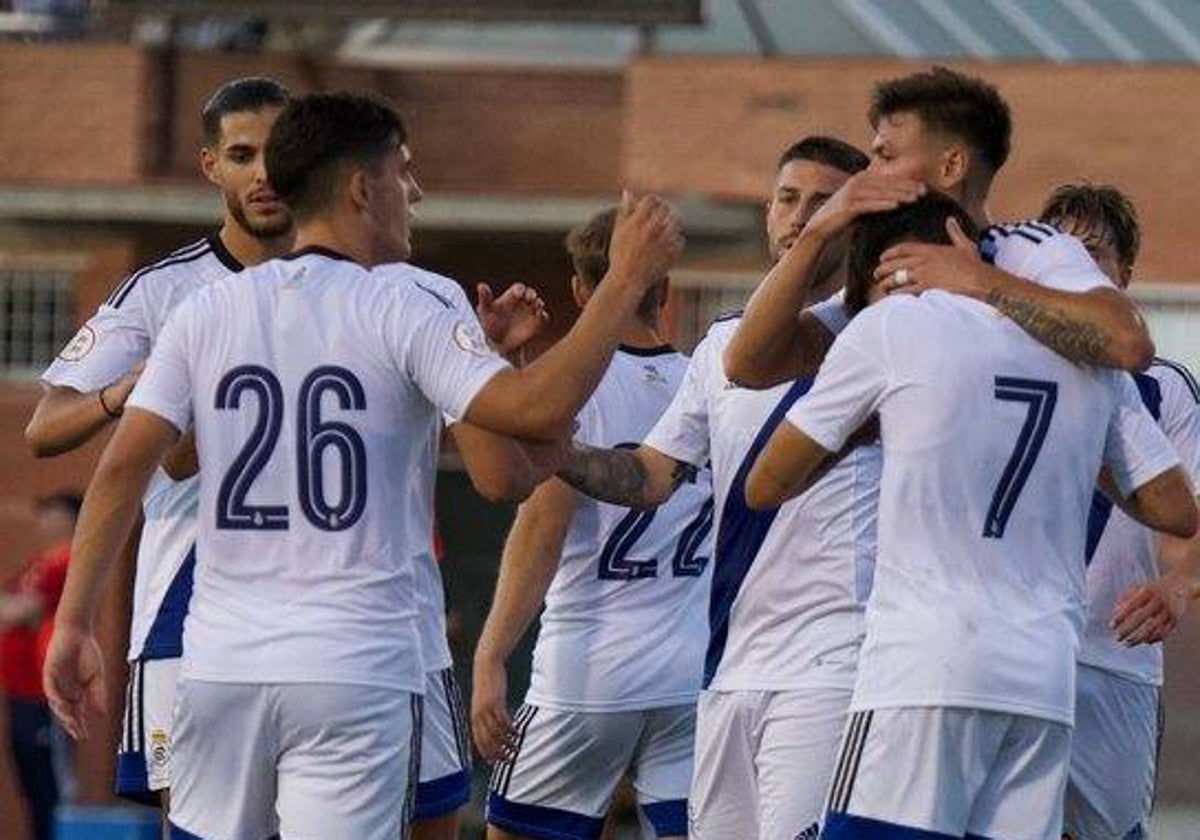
[1040,396]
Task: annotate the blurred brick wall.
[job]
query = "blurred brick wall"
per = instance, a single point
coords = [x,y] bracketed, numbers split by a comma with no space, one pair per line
[74,113]
[717,126]
[97,115]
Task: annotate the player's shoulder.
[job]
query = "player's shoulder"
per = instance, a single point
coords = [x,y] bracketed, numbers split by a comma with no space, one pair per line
[1012,239]
[722,327]
[1175,378]
[195,263]
[441,289]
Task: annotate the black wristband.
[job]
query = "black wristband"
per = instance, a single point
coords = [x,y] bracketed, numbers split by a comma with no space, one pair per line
[104,405]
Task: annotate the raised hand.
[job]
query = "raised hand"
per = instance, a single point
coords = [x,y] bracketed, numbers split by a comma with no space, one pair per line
[916,267]
[511,320]
[73,678]
[866,192]
[647,240]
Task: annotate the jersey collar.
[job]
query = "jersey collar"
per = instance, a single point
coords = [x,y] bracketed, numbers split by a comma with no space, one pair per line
[320,250]
[222,253]
[660,350]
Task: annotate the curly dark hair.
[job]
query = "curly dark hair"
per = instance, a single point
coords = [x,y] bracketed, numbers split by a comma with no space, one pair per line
[948,101]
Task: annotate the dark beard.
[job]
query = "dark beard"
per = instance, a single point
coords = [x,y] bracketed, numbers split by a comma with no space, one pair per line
[267,231]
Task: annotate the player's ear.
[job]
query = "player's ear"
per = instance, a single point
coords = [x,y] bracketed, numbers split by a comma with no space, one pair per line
[580,291]
[358,188]
[954,165]
[1126,275]
[208,164]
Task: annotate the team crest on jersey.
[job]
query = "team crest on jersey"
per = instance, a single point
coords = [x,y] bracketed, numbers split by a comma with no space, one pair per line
[79,346]
[160,750]
[470,338]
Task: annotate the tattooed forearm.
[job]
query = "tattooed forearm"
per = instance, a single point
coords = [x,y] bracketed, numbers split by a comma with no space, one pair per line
[610,475]
[620,476]
[1078,341]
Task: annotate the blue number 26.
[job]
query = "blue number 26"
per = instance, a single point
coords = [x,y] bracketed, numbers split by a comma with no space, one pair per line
[314,436]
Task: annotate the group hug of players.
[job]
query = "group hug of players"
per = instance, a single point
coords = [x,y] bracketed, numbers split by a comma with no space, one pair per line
[881,559]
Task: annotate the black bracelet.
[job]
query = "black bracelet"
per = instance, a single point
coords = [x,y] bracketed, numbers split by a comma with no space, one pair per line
[104,405]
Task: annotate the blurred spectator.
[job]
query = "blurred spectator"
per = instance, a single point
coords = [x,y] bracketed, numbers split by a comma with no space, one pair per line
[27,604]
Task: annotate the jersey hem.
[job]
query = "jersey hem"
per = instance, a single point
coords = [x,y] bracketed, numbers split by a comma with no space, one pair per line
[417,686]
[1121,673]
[1055,714]
[688,699]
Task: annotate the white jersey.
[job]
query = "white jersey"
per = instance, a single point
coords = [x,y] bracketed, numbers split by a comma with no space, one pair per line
[435,646]
[314,387]
[119,336]
[789,586]
[624,624]
[1123,554]
[990,456]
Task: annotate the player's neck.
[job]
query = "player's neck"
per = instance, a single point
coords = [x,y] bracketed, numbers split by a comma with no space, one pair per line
[643,336]
[252,250]
[974,202]
[331,235]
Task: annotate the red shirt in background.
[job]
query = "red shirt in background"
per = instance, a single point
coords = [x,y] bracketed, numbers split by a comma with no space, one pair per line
[23,649]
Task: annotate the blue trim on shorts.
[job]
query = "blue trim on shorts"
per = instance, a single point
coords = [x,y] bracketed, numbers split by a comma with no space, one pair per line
[540,822]
[670,818]
[842,826]
[446,795]
[132,781]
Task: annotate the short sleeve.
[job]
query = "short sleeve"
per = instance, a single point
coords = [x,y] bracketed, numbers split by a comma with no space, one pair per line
[682,432]
[448,357]
[1039,253]
[1180,417]
[165,386]
[1135,450]
[849,386]
[831,313]
[108,346]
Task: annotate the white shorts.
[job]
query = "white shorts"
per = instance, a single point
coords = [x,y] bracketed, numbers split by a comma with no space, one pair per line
[558,784]
[949,771]
[445,780]
[763,762]
[1114,755]
[144,754]
[299,760]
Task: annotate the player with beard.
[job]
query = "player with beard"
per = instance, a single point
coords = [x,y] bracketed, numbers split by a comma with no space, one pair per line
[86,389]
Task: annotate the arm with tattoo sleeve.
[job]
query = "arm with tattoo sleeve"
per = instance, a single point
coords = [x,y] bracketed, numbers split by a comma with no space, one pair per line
[641,477]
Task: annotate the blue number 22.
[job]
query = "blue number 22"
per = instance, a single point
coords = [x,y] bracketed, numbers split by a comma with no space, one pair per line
[615,563]
[1040,397]
[313,437]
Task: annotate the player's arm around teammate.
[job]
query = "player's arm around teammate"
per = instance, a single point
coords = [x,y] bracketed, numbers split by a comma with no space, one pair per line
[1100,326]
[66,418]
